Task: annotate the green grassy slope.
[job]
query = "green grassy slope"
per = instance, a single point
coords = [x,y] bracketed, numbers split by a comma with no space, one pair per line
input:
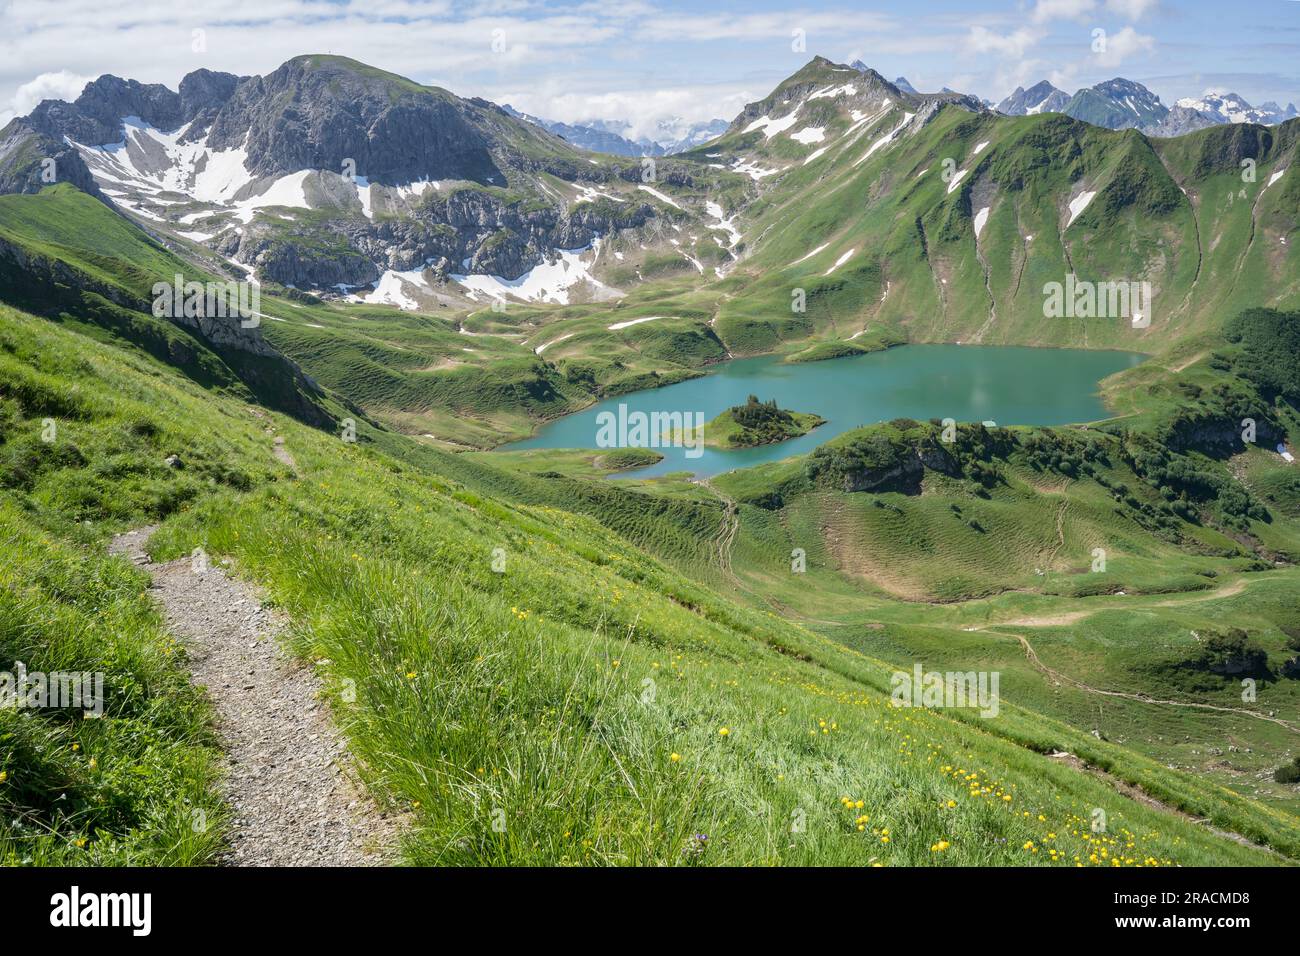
[66,255]
[1196,537]
[557,691]
[554,668]
[917,264]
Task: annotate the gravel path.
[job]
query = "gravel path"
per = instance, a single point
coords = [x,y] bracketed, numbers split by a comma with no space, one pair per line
[283,456]
[291,802]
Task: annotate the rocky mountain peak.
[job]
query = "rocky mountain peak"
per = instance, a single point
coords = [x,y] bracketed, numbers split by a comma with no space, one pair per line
[1117,103]
[315,112]
[96,115]
[1042,97]
[202,94]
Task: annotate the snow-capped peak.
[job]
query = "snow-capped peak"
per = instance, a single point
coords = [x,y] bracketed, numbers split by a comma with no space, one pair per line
[1227,108]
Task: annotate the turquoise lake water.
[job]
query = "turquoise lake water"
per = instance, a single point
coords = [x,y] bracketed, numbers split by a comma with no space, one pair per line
[1010,385]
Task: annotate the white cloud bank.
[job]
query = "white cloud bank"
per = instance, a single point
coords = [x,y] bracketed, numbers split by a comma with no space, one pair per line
[63,85]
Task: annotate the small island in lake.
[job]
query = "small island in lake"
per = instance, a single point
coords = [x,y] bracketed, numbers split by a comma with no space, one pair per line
[757,423]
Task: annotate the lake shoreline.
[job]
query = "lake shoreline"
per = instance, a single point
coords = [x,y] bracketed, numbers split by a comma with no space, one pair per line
[1013,385]
[712,368]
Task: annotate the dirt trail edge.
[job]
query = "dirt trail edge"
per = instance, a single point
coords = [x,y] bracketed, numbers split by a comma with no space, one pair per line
[291,801]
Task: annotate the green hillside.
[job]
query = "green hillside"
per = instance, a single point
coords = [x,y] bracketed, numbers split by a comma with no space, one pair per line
[582,630]
[533,664]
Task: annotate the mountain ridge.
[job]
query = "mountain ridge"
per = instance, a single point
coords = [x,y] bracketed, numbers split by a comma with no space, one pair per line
[522,215]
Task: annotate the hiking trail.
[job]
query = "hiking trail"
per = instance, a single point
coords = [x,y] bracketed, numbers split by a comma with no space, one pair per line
[293,800]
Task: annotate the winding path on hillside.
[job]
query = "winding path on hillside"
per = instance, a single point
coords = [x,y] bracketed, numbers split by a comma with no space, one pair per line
[1061,678]
[1061,618]
[284,456]
[722,543]
[1060,529]
[292,799]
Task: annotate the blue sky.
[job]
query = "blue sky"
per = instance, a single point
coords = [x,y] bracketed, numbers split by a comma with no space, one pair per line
[647,62]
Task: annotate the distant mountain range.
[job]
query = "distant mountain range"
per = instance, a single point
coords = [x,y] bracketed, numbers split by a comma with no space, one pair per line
[608,136]
[1126,104]
[901,82]
[1040,98]
[331,175]
[1231,108]
[903,85]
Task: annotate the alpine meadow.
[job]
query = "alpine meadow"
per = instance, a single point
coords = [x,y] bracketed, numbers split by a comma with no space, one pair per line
[469,435]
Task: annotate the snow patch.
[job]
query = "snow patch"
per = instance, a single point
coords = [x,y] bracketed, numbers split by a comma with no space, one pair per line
[658,195]
[415,190]
[591,194]
[846,90]
[548,282]
[810,254]
[1078,204]
[981,218]
[752,170]
[886,139]
[390,289]
[631,322]
[542,348]
[286,191]
[363,194]
[809,135]
[723,224]
[863,123]
[770,126]
[223,174]
[840,261]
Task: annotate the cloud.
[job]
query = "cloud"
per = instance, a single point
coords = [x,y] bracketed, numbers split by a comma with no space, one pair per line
[1045,11]
[1024,73]
[63,85]
[1132,10]
[1065,79]
[643,109]
[150,40]
[762,26]
[1012,45]
[1048,10]
[1123,45]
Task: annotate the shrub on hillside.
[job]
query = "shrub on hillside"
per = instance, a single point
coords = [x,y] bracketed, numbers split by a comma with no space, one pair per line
[1288,772]
[1232,653]
[1229,655]
[1270,341]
